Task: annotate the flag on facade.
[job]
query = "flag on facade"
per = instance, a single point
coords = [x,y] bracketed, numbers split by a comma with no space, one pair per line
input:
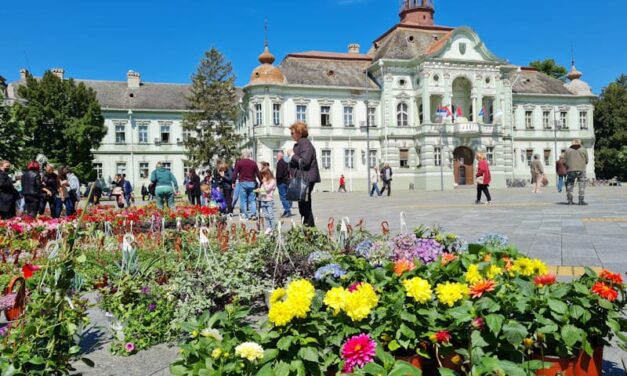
[482,112]
[459,111]
[441,111]
[498,114]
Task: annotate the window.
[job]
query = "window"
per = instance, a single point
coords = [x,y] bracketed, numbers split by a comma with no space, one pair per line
[186,135]
[564,120]
[583,120]
[120,133]
[258,114]
[437,156]
[528,156]
[401,115]
[546,119]
[490,155]
[373,158]
[98,168]
[120,168]
[528,119]
[547,157]
[420,114]
[349,158]
[348,117]
[326,159]
[301,113]
[325,116]
[276,114]
[372,116]
[142,131]
[165,134]
[404,158]
[418,161]
[143,170]
[167,165]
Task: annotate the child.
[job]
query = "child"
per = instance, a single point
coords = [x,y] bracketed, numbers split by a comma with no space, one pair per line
[266,192]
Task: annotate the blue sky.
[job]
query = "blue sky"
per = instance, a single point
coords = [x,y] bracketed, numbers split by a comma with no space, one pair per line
[164,40]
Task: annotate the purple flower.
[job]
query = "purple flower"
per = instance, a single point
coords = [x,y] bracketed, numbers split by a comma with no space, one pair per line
[331,270]
[151,307]
[129,347]
[145,290]
[4,330]
[425,250]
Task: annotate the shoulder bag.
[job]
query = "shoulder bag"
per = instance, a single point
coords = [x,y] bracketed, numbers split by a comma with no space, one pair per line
[297,189]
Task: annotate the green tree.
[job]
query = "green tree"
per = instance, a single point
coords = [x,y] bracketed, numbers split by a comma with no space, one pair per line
[210,123]
[610,130]
[62,120]
[550,68]
[11,134]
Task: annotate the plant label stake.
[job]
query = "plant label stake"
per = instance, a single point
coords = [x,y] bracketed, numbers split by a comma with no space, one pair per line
[280,252]
[179,224]
[342,239]
[203,240]
[127,242]
[162,225]
[107,229]
[403,223]
[131,227]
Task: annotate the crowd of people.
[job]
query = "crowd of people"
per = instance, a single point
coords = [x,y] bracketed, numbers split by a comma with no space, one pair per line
[37,188]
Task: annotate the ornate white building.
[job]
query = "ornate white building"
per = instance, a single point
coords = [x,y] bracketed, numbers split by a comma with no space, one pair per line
[401,88]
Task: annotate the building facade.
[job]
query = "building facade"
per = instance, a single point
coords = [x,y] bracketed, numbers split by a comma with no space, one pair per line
[424,98]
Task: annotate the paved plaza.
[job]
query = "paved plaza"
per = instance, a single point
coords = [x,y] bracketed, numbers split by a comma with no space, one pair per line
[568,237]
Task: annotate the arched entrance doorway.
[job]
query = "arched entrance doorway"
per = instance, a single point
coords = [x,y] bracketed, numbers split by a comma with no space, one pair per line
[463,169]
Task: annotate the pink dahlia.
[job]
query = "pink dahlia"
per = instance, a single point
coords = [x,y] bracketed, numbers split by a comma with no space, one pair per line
[358,351]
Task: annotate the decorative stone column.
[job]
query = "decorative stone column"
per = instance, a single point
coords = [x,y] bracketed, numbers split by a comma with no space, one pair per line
[426,100]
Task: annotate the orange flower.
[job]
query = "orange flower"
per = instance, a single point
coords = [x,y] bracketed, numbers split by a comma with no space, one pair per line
[544,280]
[402,266]
[508,263]
[448,258]
[477,289]
[605,291]
[487,257]
[612,277]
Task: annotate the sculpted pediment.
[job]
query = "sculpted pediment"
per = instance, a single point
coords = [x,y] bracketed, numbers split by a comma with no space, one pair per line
[463,44]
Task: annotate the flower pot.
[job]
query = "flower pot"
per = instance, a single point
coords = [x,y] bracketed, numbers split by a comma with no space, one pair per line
[426,365]
[558,367]
[17,299]
[586,365]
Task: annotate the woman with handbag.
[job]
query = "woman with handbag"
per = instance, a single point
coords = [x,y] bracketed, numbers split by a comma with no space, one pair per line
[304,165]
[483,179]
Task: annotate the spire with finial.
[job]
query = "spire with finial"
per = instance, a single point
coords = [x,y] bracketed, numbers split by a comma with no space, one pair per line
[574,74]
[266,57]
[576,85]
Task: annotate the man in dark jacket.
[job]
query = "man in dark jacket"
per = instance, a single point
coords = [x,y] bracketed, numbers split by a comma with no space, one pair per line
[8,193]
[283,181]
[386,177]
[51,190]
[576,157]
[303,157]
[31,189]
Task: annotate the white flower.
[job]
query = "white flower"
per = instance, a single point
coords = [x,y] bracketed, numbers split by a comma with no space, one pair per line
[211,333]
[249,350]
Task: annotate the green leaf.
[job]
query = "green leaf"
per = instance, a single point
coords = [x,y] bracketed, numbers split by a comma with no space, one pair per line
[393,345]
[514,332]
[512,369]
[373,368]
[281,369]
[446,372]
[284,343]
[270,354]
[494,323]
[570,335]
[407,331]
[36,360]
[604,303]
[558,306]
[406,316]
[81,259]
[576,311]
[402,368]
[477,339]
[298,366]
[384,357]
[309,354]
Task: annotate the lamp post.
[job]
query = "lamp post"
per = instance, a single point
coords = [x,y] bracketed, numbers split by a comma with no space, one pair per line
[556,126]
[441,147]
[130,121]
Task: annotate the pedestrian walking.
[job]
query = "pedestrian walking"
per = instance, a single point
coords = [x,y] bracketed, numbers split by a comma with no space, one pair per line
[483,179]
[561,171]
[537,174]
[303,156]
[51,193]
[128,191]
[166,186]
[8,193]
[31,189]
[64,192]
[386,177]
[226,185]
[145,192]
[283,181]
[576,159]
[342,184]
[74,190]
[266,199]
[374,182]
[247,172]
[193,187]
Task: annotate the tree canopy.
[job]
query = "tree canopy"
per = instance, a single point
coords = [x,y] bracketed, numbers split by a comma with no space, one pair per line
[11,133]
[550,68]
[62,120]
[610,129]
[213,112]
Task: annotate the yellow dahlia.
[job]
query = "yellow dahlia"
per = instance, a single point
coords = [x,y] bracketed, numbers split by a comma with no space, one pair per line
[360,302]
[335,299]
[493,271]
[451,292]
[280,313]
[539,267]
[277,295]
[523,266]
[419,289]
[301,288]
[473,275]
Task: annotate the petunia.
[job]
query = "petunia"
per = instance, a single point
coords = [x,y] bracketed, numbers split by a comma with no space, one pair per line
[29,269]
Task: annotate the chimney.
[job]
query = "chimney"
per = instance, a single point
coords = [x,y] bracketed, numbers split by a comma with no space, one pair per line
[133,79]
[23,73]
[353,48]
[58,72]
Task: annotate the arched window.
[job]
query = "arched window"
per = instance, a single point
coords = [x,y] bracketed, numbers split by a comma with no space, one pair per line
[401,115]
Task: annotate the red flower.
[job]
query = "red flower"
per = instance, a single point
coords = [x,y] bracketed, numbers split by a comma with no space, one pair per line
[443,336]
[354,286]
[605,291]
[544,280]
[29,269]
[478,323]
[615,278]
[479,288]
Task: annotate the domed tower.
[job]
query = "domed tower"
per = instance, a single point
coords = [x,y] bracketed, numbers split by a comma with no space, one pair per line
[417,12]
[266,73]
[576,85]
